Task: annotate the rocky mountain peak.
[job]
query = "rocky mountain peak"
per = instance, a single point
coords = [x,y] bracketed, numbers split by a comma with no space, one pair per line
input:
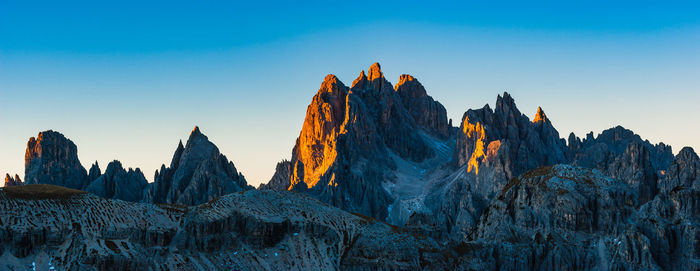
[332,84]
[12,181]
[687,154]
[540,116]
[198,173]
[426,112]
[410,87]
[505,103]
[51,158]
[345,144]
[375,71]
[94,172]
[195,132]
[360,81]
[372,84]
[514,133]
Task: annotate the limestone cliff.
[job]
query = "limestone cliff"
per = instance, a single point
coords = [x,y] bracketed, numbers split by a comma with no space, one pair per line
[51,158]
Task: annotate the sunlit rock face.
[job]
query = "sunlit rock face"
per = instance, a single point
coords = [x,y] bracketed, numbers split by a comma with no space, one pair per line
[118,183]
[623,155]
[507,134]
[12,181]
[197,174]
[51,158]
[344,151]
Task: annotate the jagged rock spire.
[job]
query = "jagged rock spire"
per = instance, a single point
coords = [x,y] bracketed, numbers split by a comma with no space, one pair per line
[94,172]
[198,173]
[12,181]
[540,116]
[195,132]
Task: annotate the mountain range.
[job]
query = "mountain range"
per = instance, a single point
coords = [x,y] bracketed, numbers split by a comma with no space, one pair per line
[379,178]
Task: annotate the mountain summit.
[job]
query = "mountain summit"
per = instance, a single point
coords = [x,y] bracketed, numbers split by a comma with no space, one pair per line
[352,138]
[197,174]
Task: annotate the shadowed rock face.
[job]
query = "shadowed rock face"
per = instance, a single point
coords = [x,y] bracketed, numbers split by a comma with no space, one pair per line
[570,218]
[683,173]
[343,153]
[117,183]
[94,172]
[426,112]
[279,181]
[51,158]
[198,173]
[623,155]
[12,181]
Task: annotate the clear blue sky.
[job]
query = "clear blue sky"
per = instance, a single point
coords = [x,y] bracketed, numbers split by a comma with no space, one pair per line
[126,80]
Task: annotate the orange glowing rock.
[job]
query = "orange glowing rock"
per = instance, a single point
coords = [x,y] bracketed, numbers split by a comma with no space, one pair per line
[475,132]
[375,71]
[316,150]
[540,116]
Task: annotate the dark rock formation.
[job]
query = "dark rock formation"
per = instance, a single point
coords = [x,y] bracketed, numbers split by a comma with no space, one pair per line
[352,137]
[12,181]
[117,183]
[94,172]
[426,112]
[51,158]
[197,174]
[683,173]
[571,218]
[623,155]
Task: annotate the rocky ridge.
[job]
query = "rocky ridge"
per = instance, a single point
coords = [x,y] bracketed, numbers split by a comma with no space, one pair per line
[12,181]
[197,174]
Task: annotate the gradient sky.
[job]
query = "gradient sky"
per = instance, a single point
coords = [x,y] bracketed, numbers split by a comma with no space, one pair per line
[126,80]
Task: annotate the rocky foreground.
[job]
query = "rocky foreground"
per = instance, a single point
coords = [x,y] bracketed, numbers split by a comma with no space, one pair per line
[45,226]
